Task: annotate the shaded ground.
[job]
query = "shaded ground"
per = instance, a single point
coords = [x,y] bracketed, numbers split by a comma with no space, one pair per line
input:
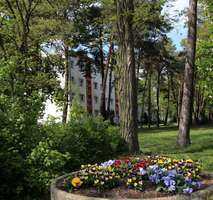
[163,141]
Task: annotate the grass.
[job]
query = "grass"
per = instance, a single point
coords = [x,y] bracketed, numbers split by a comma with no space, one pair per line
[163,141]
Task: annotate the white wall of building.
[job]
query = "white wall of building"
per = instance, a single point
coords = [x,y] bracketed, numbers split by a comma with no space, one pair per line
[78,91]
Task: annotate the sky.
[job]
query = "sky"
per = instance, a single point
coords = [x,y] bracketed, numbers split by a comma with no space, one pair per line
[180,31]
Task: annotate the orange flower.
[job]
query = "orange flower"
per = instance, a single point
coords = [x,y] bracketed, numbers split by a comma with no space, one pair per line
[76,182]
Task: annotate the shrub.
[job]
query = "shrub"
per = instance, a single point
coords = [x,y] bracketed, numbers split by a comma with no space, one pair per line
[66,146]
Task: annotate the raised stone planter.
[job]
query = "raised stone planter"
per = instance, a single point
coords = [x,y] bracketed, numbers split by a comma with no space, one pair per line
[57,194]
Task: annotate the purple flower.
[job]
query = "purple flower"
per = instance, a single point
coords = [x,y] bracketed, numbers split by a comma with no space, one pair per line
[187,190]
[197,184]
[107,163]
[154,178]
[153,167]
[188,180]
[168,181]
[171,188]
[172,173]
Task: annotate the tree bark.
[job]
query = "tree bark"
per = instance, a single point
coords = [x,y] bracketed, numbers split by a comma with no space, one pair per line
[66,85]
[103,89]
[168,102]
[127,75]
[188,87]
[144,97]
[110,90]
[158,96]
[104,83]
[149,98]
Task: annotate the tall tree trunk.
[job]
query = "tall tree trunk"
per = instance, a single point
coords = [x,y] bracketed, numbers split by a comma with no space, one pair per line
[110,90]
[149,99]
[180,97]
[144,96]
[66,85]
[103,76]
[174,95]
[188,87]
[158,96]
[127,74]
[168,102]
[104,83]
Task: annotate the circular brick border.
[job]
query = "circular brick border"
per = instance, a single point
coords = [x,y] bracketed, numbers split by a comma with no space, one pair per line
[57,194]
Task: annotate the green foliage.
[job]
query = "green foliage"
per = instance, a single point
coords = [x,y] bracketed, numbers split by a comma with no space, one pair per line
[86,138]
[45,163]
[33,155]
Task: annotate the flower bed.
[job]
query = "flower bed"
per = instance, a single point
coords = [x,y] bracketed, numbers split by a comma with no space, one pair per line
[163,174]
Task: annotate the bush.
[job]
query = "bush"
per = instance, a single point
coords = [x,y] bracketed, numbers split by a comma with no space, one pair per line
[33,155]
[85,138]
[45,163]
[65,147]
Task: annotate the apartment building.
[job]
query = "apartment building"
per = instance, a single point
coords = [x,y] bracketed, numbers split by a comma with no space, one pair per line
[87,87]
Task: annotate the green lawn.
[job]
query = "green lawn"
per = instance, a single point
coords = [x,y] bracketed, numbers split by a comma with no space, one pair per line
[163,141]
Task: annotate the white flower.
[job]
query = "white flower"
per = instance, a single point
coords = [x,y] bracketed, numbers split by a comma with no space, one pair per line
[142,171]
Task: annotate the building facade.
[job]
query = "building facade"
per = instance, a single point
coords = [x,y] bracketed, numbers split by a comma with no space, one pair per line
[87,87]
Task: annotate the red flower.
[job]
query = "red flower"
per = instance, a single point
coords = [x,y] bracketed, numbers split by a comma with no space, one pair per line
[141,164]
[117,163]
[127,161]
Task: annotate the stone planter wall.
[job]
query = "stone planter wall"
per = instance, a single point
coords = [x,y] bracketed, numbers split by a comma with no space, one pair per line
[57,194]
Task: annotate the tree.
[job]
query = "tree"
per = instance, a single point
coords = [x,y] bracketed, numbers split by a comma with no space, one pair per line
[188,87]
[127,74]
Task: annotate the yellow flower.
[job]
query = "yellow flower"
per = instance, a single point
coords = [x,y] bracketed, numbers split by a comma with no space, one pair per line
[160,161]
[135,184]
[189,161]
[82,166]
[100,167]
[76,182]
[129,180]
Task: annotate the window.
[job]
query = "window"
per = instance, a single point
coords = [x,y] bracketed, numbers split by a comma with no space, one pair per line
[81,97]
[96,99]
[95,85]
[81,82]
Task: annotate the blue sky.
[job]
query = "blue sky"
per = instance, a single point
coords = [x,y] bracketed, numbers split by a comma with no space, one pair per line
[180,31]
